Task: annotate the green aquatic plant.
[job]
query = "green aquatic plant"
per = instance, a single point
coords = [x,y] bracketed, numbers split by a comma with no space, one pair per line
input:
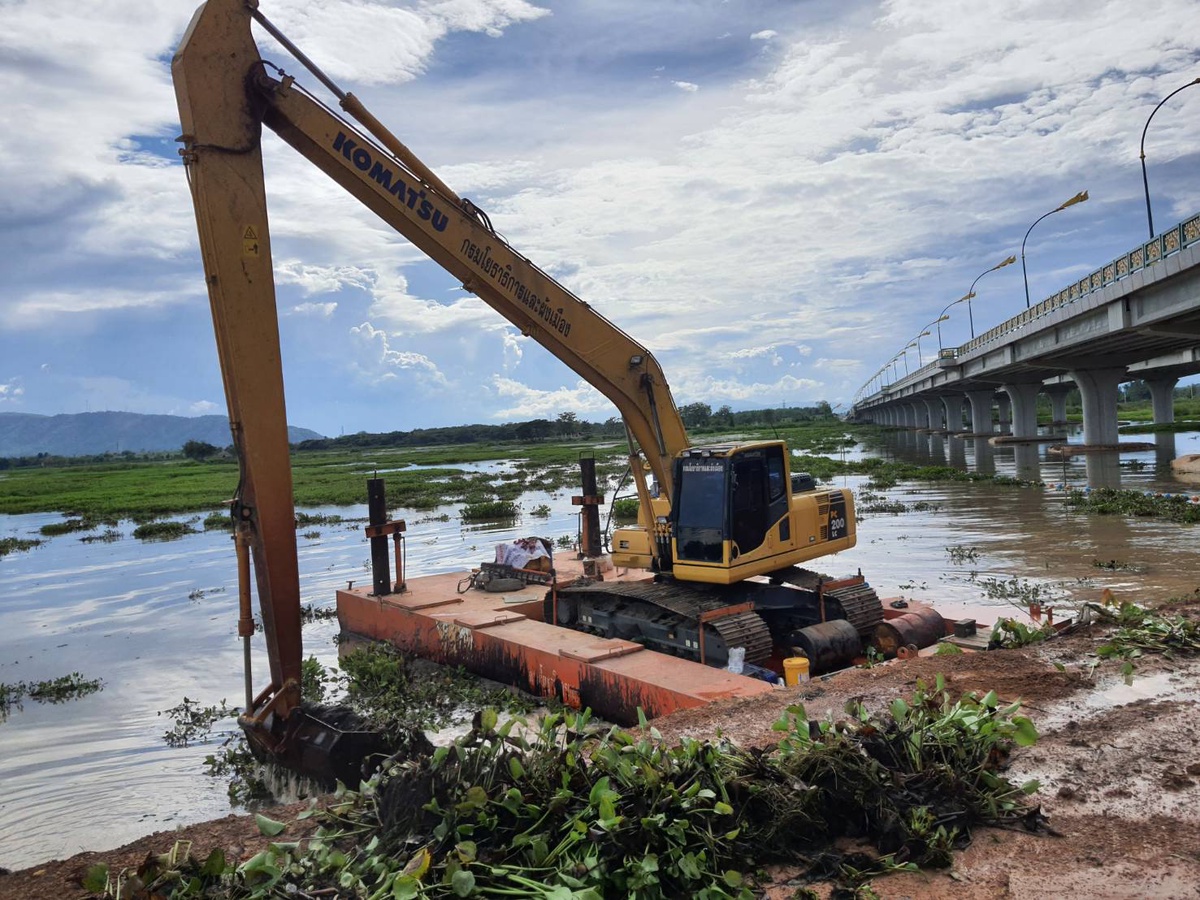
[569,808]
[17,545]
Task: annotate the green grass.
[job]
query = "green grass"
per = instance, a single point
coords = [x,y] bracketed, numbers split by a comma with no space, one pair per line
[145,490]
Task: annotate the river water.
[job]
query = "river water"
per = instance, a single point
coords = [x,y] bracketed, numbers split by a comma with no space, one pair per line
[157,621]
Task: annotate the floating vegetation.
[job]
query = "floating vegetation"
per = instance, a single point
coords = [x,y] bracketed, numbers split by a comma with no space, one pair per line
[54,529]
[55,690]
[883,505]
[201,593]
[105,537]
[567,809]
[218,521]
[303,519]
[962,554]
[1113,566]
[541,511]
[1020,590]
[17,545]
[1112,502]
[310,612]
[490,511]
[444,517]
[193,723]
[162,531]
[564,542]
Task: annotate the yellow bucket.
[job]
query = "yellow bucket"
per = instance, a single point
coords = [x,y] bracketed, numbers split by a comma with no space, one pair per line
[795,670]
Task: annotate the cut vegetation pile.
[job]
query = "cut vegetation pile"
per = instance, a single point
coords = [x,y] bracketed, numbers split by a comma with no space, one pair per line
[569,809]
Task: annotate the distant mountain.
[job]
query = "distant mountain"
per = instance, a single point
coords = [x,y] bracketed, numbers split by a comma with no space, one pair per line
[86,434]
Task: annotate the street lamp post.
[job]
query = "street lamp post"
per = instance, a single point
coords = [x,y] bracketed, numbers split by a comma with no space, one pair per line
[943,317]
[1078,198]
[920,358]
[970,295]
[1145,183]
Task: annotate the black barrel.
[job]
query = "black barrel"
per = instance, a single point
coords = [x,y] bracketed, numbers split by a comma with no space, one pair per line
[828,646]
[920,627]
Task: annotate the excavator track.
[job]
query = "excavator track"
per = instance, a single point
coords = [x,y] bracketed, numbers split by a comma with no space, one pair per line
[851,599]
[665,616]
[860,606]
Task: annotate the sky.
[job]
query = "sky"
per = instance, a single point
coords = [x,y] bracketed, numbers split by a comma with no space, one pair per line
[773,197]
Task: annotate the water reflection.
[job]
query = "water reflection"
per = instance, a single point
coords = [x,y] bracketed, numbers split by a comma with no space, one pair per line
[1027,460]
[1164,449]
[958,452]
[1103,469]
[985,457]
[1142,469]
[937,449]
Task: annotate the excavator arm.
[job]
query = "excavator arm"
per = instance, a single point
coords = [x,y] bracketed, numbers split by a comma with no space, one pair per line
[226,92]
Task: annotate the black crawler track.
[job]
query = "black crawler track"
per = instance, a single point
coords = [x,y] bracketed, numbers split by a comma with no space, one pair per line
[666,615]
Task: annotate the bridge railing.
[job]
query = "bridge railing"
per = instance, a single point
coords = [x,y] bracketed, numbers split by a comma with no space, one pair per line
[1170,241]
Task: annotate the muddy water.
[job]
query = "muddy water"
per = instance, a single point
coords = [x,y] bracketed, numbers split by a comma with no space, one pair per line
[157,622]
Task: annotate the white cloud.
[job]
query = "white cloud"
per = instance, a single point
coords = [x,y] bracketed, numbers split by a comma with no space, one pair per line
[204,408]
[520,401]
[40,309]
[11,390]
[319,310]
[841,177]
[318,279]
[380,361]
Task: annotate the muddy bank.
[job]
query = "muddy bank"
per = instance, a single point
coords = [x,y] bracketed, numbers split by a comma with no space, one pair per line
[1119,767]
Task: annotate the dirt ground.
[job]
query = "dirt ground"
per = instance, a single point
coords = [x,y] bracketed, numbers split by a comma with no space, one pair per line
[1119,767]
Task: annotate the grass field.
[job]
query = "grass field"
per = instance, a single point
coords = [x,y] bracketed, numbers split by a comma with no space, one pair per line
[417,478]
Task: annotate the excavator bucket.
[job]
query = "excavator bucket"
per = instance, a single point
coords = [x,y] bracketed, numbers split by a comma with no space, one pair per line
[310,743]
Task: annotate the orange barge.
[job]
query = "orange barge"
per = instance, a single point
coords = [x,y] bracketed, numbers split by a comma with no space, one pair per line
[502,636]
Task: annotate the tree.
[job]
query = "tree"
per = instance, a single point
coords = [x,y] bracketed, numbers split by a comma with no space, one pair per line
[695,415]
[199,450]
[724,415]
[568,424]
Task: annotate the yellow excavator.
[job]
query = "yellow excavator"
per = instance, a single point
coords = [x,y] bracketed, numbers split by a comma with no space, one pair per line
[722,527]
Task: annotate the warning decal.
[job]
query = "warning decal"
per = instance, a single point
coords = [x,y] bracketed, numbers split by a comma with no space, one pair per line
[250,245]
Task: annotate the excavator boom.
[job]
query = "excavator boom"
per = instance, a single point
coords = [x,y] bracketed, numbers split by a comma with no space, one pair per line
[226,92]
[724,513]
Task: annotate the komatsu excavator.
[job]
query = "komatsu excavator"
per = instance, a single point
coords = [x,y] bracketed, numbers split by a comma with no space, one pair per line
[722,527]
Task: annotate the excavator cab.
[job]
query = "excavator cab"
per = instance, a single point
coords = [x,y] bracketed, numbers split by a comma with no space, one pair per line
[728,499]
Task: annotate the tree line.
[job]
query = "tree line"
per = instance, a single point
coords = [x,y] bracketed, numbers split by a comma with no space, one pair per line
[697,417]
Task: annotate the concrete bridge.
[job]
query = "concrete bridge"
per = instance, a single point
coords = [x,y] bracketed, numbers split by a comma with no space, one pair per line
[1136,317]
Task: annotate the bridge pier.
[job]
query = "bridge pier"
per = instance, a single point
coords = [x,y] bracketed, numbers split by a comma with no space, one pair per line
[933,412]
[1162,399]
[954,412]
[1004,413]
[1058,401]
[920,414]
[1098,388]
[981,411]
[1023,400]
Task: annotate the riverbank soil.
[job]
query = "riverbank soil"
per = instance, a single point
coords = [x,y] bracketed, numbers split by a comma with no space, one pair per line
[1119,767]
